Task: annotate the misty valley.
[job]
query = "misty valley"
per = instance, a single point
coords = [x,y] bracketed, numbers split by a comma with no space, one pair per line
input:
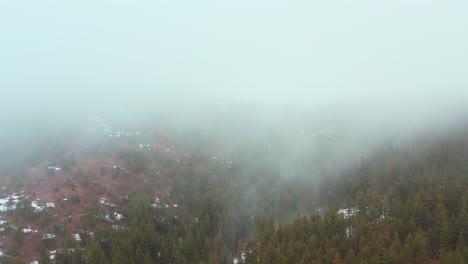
[234,132]
[97,193]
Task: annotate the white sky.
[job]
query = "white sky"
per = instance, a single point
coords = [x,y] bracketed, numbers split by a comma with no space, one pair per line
[71,54]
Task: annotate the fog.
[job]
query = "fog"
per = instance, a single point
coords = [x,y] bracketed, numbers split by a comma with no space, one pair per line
[236,71]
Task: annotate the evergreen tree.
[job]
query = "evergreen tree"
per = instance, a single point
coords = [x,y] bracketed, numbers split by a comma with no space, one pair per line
[94,253]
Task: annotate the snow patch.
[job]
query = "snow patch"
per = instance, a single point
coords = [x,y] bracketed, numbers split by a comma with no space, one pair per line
[52,254]
[104,201]
[9,202]
[48,236]
[118,216]
[28,230]
[53,168]
[37,207]
[348,212]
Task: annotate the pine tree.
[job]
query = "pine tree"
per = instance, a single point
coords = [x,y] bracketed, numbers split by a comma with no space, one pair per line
[350,257]
[406,254]
[451,257]
[461,244]
[441,225]
[421,248]
[94,253]
[461,226]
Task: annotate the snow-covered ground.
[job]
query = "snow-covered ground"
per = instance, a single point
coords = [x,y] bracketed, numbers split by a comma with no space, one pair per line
[28,230]
[157,204]
[242,259]
[348,212]
[9,202]
[48,236]
[104,201]
[118,216]
[145,146]
[38,206]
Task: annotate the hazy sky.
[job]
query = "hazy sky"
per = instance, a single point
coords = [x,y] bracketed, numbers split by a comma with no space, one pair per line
[61,55]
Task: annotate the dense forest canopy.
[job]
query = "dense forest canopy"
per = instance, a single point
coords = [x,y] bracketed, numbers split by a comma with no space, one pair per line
[403,205]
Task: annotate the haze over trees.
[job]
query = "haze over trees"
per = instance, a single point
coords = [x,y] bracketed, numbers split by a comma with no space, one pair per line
[233,132]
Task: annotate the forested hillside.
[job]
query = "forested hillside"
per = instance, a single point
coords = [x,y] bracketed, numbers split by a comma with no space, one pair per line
[402,205]
[170,201]
[233,132]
